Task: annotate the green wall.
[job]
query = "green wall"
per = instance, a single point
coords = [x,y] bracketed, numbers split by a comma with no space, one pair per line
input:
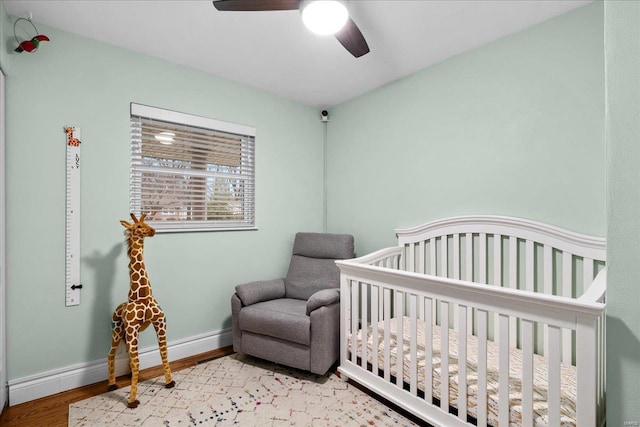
[76,81]
[622,42]
[512,128]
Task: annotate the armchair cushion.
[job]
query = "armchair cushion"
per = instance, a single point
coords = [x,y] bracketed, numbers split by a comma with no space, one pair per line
[322,298]
[283,318]
[264,290]
[306,276]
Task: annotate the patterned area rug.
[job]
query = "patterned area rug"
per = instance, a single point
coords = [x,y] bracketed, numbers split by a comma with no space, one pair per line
[241,391]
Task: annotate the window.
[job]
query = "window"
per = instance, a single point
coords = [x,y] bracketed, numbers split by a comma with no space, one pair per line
[191,173]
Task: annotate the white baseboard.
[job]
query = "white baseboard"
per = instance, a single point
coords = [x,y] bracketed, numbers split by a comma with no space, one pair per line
[58,380]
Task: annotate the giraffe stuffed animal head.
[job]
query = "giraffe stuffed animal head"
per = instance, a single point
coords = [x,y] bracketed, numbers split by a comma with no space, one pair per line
[138,228]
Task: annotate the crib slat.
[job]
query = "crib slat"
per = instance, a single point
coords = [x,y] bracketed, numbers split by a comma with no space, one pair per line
[553,394]
[601,408]
[548,270]
[354,320]
[363,324]
[598,364]
[588,268]
[411,258]
[482,258]
[497,280]
[432,256]
[421,259]
[503,382]
[469,257]
[345,322]
[567,274]
[513,262]
[444,263]
[587,275]
[527,373]
[482,368]
[413,347]
[513,283]
[530,267]
[444,257]
[547,284]
[456,275]
[381,305]
[387,333]
[469,274]
[602,363]
[456,256]
[375,303]
[399,312]
[586,381]
[428,350]
[462,365]
[567,286]
[432,268]
[444,353]
[497,260]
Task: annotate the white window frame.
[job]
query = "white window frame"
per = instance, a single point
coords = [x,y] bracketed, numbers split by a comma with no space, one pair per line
[138,112]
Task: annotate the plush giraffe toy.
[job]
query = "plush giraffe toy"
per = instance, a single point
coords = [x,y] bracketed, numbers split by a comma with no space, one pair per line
[139,312]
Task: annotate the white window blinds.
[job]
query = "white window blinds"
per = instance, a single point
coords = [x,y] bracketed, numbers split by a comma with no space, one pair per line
[190,173]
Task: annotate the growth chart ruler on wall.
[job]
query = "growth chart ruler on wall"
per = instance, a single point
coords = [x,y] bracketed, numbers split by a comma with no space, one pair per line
[72,284]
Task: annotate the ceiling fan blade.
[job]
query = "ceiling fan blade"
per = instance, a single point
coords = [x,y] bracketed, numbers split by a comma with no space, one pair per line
[255,5]
[352,39]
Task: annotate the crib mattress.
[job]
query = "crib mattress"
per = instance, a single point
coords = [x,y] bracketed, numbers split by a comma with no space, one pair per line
[540,368]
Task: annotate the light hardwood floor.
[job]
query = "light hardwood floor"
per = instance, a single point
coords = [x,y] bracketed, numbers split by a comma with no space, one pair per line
[53,411]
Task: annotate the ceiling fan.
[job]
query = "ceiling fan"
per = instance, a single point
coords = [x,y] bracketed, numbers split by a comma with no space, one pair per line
[348,34]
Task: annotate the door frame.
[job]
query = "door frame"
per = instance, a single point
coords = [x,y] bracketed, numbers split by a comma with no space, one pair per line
[4,394]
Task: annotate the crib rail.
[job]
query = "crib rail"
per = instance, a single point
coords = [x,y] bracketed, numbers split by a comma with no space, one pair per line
[375,292]
[388,257]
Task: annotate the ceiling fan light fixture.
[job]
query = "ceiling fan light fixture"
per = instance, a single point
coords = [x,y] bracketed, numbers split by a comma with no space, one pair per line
[324,17]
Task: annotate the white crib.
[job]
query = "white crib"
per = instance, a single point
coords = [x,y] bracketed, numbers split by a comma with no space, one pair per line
[521,303]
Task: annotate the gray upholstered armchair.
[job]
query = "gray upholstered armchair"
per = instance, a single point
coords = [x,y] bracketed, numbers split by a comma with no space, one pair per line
[295,321]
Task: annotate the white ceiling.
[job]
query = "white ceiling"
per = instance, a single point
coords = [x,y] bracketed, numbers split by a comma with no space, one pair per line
[273,51]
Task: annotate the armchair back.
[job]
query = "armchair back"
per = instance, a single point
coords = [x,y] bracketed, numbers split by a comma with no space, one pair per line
[312,267]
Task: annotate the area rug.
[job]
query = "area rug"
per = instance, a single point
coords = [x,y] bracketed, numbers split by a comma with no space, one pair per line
[240,391]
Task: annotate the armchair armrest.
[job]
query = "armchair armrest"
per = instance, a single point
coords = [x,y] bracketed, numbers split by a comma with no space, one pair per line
[322,298]
[263,290]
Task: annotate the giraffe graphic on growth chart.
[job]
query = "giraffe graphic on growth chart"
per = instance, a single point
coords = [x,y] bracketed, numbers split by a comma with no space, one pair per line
[71,140]
[140,311]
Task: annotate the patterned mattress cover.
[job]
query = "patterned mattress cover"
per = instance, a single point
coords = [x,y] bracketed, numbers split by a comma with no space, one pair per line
[540,367]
